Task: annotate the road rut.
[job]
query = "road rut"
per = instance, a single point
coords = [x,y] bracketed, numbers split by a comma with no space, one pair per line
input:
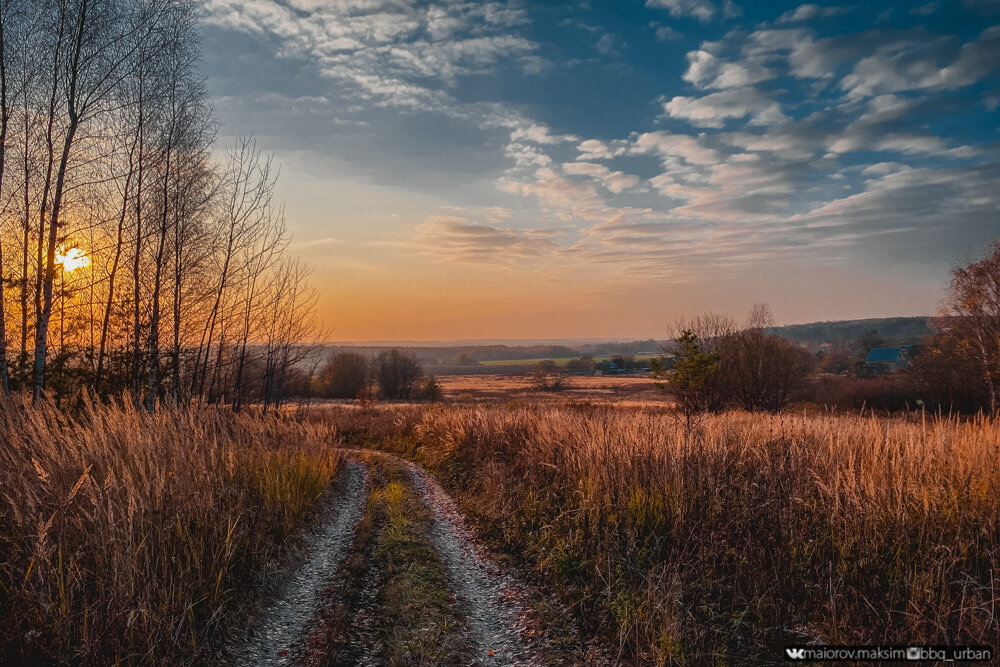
[284,624]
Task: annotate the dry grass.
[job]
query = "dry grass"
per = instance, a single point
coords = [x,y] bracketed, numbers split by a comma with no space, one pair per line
[135,538]
[753,532]
[616,388]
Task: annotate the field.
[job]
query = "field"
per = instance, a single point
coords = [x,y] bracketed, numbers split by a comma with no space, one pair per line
[559,361]
[615,388]
[146,538]
[724,544]
[586,526]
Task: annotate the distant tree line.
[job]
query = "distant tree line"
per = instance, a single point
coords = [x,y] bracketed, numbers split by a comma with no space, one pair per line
[130,259]
[890,329]
[391,374]
[717,365]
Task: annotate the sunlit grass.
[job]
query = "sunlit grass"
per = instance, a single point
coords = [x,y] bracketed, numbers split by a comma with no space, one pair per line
[142,538]
[752,532]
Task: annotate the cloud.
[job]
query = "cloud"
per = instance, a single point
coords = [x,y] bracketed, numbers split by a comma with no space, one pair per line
[731,10]
[809,12]
[915,66]
[595,149]
[925,10]
[715,109]
[567,199]
[540,134]
[703,10]
[457,239]
[689,148]
[396,53]
[774,139]
[909,205]
[706,70]
[665,33]
[615,181]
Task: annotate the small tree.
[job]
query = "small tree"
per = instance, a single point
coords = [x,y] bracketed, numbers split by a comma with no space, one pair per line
[972,314]
[545,376]
[693,379]
[584,364]
[345,375]
[763,370]
[710,333]
[397,374]
[430,389]
[943,370]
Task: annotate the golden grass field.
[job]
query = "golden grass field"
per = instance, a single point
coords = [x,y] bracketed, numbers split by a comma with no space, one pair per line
[143,538]
[520,387]
[726,543]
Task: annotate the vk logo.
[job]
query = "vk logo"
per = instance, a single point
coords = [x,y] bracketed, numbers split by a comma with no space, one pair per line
[796,653]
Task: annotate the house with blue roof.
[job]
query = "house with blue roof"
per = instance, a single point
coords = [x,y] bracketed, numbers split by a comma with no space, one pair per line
[887,359]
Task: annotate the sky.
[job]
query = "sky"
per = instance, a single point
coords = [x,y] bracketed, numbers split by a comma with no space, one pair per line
[488,169]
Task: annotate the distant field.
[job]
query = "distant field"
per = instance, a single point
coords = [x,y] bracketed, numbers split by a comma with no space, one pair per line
[561,361]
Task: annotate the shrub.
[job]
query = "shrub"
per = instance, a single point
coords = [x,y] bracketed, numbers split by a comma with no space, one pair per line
[887,393]
[430,389]
[546,376]
[582,365]
[397,374]
[762,370]
[345,375]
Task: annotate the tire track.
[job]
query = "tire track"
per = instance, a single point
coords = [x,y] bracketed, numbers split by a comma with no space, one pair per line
[282,626]
[492,598]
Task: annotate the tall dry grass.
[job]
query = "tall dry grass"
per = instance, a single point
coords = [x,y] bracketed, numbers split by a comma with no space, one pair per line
[752,532]
[134,538]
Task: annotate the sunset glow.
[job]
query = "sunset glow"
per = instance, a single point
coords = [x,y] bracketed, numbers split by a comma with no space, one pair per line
[72,258]
[533,170]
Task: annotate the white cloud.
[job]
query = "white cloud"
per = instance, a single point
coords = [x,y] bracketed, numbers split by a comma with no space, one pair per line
[665,33]
[615,181]
[458,239]
[540,134]
[595,149]
[715,109]
[703,10]
[809,12]
[399,53]
[683,146]
[731,10]
[706,70]
[567,199]
[915,67]
[925,10]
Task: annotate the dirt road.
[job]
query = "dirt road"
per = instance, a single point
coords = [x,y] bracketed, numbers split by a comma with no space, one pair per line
[395,568]
[276,637]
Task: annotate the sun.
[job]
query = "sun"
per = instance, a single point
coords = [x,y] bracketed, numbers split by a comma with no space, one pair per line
[72,258]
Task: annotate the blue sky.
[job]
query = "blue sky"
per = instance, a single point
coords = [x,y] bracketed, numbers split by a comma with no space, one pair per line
[490,169]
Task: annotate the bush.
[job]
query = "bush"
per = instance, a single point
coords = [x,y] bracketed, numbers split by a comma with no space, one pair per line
[949,376]
[723,366]
[430,389]
[891,392]
[345,375]
[397,374]
[762,370]
[546,376]
[582,365]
